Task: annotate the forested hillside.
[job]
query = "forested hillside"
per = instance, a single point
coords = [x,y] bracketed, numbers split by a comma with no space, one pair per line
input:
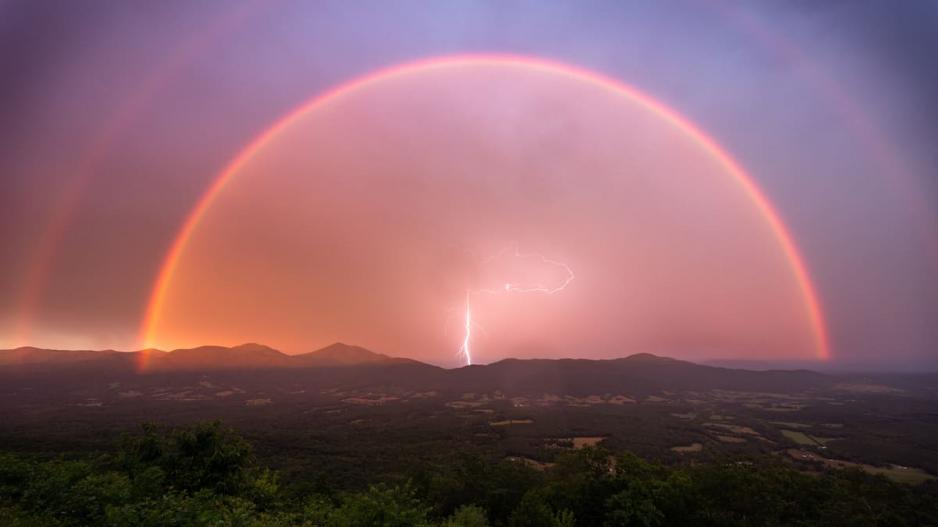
[207,475]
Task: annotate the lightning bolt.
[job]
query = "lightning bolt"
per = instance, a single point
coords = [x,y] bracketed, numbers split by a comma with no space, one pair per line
[510,287]
[464,349]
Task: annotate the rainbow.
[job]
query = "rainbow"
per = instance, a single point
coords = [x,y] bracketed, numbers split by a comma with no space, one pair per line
[746,183]
[57,224]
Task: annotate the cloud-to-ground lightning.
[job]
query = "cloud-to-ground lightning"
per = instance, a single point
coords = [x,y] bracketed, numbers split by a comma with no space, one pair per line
[464,349]
[511,287]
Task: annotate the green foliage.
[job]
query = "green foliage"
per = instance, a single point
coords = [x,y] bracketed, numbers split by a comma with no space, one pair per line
[11,516]
[73,492]
[14,472]
[180,509]
[206,476]
[534,511]
[380,506]
[204,457]
[467,516]
[495,486]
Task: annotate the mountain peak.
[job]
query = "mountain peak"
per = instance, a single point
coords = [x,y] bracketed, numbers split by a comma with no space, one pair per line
[33,355]
[249,355]
[649,357]
[251,345]
[341,354]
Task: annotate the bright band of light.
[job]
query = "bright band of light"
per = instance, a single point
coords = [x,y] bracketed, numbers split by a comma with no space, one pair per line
[768,212]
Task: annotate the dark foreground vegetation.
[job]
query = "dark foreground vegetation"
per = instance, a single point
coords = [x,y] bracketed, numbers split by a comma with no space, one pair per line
[207,475]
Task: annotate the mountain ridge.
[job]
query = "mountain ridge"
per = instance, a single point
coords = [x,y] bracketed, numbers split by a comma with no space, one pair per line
[642,372]
[208,357]
[345,368]
[252,354]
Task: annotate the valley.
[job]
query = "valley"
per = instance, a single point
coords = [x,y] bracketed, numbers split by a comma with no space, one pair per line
[328,411]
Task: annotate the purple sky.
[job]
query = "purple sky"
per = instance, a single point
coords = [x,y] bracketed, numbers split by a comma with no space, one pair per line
[116,116]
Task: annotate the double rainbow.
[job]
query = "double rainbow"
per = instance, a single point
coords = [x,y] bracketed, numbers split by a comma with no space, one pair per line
[795,261]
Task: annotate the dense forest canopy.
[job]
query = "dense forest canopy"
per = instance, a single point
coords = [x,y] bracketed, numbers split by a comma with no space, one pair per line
[208,475]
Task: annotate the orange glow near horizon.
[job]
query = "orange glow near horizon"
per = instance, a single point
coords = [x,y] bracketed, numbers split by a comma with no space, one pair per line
[683,145]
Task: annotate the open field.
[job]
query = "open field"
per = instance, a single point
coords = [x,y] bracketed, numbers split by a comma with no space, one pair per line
[695,447]
[328,427]
[900,474]
[324,421]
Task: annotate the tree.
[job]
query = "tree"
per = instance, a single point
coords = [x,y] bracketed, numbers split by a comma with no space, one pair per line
[380,506]
[203,457]
[534,511]
[467,516]
[496,486]
[73,492]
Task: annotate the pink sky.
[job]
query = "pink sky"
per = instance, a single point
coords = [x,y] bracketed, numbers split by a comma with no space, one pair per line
[368,220]
[118,117]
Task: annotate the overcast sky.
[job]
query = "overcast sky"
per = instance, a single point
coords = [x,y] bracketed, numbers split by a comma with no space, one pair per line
[115,117]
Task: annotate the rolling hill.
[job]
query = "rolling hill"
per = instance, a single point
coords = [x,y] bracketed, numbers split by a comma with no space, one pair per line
[262,368]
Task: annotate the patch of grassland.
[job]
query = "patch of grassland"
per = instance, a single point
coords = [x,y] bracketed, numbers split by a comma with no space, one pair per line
[911,476]
[512,422]
[582,442]
[730,439]
[689,415]
[799,438]
[695,447]
[804,439]
[788,424]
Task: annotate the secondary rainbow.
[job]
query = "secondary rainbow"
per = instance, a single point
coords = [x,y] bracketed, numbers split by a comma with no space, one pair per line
[744,180]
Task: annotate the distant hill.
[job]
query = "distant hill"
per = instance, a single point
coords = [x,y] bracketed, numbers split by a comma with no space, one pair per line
[245,356]
[342,365]
[340,354]
[30,355]
[250,356]
[641,374]
[240,374]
